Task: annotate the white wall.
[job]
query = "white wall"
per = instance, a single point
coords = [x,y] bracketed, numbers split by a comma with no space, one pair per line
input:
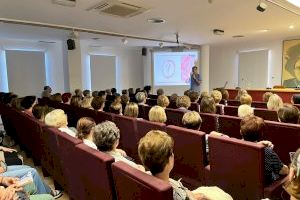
[224,62]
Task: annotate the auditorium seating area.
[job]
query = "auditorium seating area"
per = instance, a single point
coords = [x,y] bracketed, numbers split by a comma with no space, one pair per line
[235,166]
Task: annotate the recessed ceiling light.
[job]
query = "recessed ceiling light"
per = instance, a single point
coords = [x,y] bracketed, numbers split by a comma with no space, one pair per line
[263,31]
[291,27]
[294,2]
[238,36]
[156,20]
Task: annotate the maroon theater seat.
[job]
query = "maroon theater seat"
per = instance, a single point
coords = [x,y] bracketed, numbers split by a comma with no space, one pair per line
[190,156]
[70,163]
[95,174]
[172,105]
[233,103]
[132,184]
[174,116]
[144,126]
[152,96]
[230,126]
[195,107]
[266,114]
[209,122]
[152,102]
[231,110]
[85,112]
[103,116]
[128,141]
[259,104]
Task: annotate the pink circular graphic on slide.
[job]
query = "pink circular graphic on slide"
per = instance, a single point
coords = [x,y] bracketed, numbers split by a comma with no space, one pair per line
[168,69]
[186,67]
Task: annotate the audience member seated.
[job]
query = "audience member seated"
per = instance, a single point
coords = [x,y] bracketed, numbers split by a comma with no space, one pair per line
[27,104]
[16,103]
[56,97]
[66,98]
[131,92]
[245,110]
[246,99]
[225,96]
[187,93]
[160,91]
[85,131]
[240,93]
[39,112]
[95,93]
[163,101]
[288,114]
[76,101]
[295,99]
[194,96]
[125,99]
[156,153]
[173,100]
[203,94]
[141,98]
[157,114]
[113,91]
[208,105]
[183,103]
[58,119]
[116,108]
[19,171]
[102,94]
[98,103]
[217,96]
[137,90]
[78,92]
[274,103]
[252,131]
[47,92]
[106,137]
[292,186]
[108,92]
[266,96]
[131,110]
[86,93]
[86,102]
[192,120]
[147,89]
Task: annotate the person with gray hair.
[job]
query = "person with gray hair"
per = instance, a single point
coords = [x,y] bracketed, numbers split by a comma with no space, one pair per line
[106,138]
[141,98]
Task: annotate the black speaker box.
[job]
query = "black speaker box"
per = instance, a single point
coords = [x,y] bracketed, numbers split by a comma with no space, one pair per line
[71,44]
[144,51]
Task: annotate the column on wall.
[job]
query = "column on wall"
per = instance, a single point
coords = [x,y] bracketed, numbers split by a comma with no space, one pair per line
[204,67]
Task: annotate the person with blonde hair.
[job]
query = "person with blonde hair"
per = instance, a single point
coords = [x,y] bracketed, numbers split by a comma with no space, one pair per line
[58,119]
[208,105]
[86,102]
[240,93]
[157,114]
[85,131]
[275,102]
[245,110]
[155,150]
[192,120]
[266,96]
[76,101]
[246,99]
[131,110]
[163,101]
[116,108]
[141,98]
[289,114]
[217,96]
[106,138]
[183,102]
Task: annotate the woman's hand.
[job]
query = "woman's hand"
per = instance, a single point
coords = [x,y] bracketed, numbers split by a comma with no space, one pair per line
[267,143]
[5,149]
[8,181]
[9,193]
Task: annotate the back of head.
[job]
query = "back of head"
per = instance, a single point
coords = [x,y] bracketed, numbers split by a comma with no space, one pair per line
[102,93]
[187,92]
[66,97]
[108,91]
[113,91]
[160,91]
[95,93]
[246,99]
[147,88]
[208,105]
[56,118]
[157,114]
[288,114]
[252,128]
[39,111]
[194,96]
[245,110]
[154,150]
[240,93]
[76,101]
[106,134]
[296,98]
[97,103]
[183,101]
[140,97]
[125,99]
[47,87]
[204,94]
[117,98]
[275,102]
[192,120]
[78,92]
[216,95]
[86,93]
[173,97]
[131,110]
[115,108]
[266,96]
[130,91]
[225,94]
[86,102]
[57,97]
[124,92]
[163,101]
[84,127]
[28,102]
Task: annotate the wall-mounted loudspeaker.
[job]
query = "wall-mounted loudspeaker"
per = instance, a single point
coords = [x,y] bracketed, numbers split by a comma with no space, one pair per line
[71,44]
[144,51]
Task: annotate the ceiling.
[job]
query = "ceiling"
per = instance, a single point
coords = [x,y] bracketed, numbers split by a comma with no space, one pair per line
[194,20]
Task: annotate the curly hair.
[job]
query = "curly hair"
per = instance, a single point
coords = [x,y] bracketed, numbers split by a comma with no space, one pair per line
[183,101]
[163,101]
[106,135]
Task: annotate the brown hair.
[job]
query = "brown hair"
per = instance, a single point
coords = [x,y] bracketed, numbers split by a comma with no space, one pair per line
[76,101]
[125,99]
[266,96]
[160,91]
[97,102]
[225,94]
[154,150]
[289,114]
[163,101]
[252,128]
[173,97]
[194,96]
[84,127]
[208,105]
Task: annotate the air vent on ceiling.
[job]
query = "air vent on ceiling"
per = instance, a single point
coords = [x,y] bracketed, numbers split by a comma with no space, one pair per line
[118,8]
[70,3]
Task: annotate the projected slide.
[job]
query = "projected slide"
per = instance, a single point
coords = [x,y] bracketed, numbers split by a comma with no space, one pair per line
[173,68]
